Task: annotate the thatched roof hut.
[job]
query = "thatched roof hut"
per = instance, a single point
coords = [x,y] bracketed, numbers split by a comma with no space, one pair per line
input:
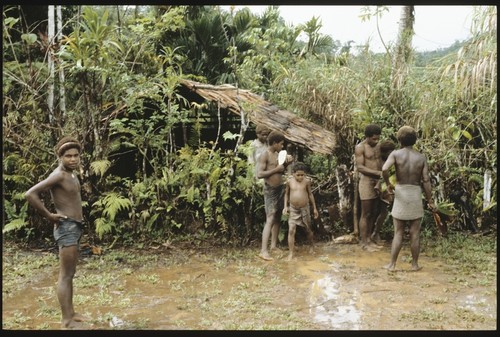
[296,129]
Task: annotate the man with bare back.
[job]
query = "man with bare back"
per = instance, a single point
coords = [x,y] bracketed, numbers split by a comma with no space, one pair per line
[64,189]
[411,174]
[369,165]
[272,173]
[299,195]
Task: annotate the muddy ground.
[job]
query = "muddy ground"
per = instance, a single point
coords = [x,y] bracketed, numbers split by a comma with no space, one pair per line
[338,287]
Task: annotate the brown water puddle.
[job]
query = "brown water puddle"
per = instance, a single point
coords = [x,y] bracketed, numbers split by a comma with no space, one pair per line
[339,287]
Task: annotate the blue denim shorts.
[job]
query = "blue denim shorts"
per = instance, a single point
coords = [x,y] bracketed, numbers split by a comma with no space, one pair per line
[68,232]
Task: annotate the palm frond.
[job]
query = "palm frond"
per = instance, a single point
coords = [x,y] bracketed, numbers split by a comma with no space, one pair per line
[99,167]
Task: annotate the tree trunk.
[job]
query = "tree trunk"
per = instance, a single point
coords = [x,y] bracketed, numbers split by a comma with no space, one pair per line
[50,62]
[343,183]
[403,49]
[487,189]
[62,91]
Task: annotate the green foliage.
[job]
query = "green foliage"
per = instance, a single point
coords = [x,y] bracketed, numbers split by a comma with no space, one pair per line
[468,253]
[446,208]
[109,206]
[122,97]
[320,166]
[100,167]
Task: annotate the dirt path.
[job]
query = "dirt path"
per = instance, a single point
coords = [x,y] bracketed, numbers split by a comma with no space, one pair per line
[340,287]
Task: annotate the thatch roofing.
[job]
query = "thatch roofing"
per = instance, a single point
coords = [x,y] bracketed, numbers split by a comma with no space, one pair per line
[296,129]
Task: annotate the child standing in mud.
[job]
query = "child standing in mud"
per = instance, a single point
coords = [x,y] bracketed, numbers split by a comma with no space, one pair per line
[299,195]
[64,188]
[272,173]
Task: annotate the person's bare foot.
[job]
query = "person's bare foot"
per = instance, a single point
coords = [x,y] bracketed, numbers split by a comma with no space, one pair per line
[72,325]
[377,240]
[371,247]
[265,257]
[389,267]
[416,267]
[277,249]
[79,317]
[290,257]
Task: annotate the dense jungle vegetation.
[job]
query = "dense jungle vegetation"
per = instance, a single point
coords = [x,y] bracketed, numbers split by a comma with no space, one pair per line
[157,167]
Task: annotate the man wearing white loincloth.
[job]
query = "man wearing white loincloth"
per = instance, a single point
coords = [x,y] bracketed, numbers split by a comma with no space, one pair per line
[411,174]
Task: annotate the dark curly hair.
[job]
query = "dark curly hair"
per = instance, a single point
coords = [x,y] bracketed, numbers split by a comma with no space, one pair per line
[275,137]
[299,166]
[66,143]
[386,147]
[372,129]
[407,135]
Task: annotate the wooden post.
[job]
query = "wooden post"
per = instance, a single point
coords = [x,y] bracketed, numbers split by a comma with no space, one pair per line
[343,183]
[487,189]
[356,201]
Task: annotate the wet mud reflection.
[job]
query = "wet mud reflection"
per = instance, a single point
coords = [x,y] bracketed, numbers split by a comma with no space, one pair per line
[339,287]
[327,306]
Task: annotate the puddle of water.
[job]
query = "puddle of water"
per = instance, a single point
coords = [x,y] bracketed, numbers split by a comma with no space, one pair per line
[328,306]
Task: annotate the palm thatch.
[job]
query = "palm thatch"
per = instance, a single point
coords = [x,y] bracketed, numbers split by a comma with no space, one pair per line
[297,130]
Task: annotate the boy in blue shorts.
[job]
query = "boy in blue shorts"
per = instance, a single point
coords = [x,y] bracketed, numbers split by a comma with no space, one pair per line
[64,189]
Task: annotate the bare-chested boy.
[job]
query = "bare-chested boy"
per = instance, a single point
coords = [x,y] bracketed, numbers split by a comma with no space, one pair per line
[369,166]
[272,173]
[299,195]
[64,189]
[411,174]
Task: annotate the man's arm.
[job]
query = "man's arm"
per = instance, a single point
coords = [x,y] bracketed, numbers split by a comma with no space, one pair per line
[311,199]
[287,196]
[33,196]
[262,173]
[426,182]
[385,171]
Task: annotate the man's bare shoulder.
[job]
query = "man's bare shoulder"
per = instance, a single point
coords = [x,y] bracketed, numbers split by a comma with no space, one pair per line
[360,148]
[56,175]
[361,144]
[265,153]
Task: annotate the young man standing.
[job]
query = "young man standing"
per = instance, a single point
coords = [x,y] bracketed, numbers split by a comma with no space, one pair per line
[369,166]
[272,173]
[411,174]
[64,189]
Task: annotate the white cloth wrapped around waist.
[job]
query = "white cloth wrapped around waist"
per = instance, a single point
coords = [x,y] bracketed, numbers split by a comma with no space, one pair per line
[407,202]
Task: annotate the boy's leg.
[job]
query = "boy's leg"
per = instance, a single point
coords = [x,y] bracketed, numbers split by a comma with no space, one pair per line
[275,232]
[68,257]
[278,210]
[306,219]
[292,228]
[266,233]
[310,238]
